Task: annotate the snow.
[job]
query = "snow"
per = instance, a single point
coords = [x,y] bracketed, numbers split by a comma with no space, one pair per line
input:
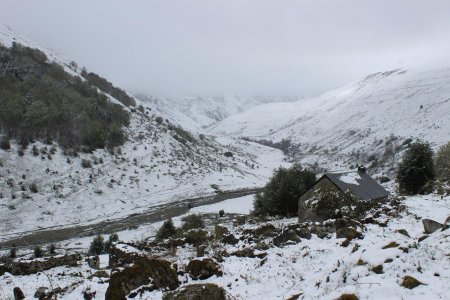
[241,205]
[350,178]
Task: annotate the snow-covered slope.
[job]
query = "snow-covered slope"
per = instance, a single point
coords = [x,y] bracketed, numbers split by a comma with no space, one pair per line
[157,164]
[371,116]
[196,113]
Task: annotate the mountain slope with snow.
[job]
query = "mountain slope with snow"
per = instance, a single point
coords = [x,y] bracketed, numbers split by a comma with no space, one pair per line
[372,116]
[45,185]
[197,113]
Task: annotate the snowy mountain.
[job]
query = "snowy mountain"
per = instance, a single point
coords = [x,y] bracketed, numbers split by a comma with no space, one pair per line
[369,120]
[160,162]
[196,113]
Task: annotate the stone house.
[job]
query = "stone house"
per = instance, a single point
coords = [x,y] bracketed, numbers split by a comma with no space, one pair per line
[359,183]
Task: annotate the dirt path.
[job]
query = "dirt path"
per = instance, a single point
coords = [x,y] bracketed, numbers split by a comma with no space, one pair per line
[155,214]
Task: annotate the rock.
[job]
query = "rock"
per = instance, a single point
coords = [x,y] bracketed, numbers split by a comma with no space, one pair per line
[403,231]
[158,272]
[348,233]
[249,252]
[410,282]
[348,297]
[285,236]
[355,248]
[203,268]
[378,269]
[391,245]
[229,239]
[431,226]
[122,254]
[265,230]
[28,267]
[18,294]
[422,237]
[41,293]
[294,297]
[304,233]
[209,291]
[320,230]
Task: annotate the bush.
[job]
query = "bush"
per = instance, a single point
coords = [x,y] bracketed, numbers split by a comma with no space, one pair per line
[196,237]
[38,252]
[416,169]
[52,249]
[159,120]
[442,163]
[192,222]
[13,252]
[86,163]
[281,194]
[166,231]
[112,239]
[332,203]
[4,143]
[97,246]
[221,213]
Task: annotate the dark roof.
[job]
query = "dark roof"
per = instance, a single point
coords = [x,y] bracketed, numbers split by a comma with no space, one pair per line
[359,183]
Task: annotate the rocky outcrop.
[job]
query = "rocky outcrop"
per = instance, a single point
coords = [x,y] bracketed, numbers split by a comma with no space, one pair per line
[203,268]
[348,233]
[285,236]
[27,267]
[145,271]
[208,291]
[122,254]
[431,226]
[18,294]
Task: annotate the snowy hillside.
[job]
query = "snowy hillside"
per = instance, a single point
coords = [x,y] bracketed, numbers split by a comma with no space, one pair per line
[196,113]
[372,117]
[47,185]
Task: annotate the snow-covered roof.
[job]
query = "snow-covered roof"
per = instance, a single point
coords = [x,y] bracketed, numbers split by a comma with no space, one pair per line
[359,183]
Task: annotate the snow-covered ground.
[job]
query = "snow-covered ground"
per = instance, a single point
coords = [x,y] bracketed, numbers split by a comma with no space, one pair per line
[316,268]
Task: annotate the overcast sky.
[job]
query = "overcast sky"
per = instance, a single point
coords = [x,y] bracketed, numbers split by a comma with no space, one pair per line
[245,47]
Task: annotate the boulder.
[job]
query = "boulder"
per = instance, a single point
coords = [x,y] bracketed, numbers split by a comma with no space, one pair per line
[348,297]
[410,282]
[320,230]
[304,233]
[28,267]
[220,231]
[203,268]
[403,231]
[41,293]
[249,252]
[265,230]
[348,233]
[145,270]
[205,291]
[431,226]
[390,245]
[229,239]
[18,294]
[285,236]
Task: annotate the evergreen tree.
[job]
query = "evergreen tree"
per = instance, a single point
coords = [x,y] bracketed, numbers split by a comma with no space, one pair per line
[442,163]
[166,231]
[416,168]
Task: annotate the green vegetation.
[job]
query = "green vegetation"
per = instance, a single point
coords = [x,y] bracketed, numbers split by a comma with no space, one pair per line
[442,163]
[416,170]
[39,100]
[97,246]
[38,252]
[192,222]
[332,203]
[281,194]
[166,231]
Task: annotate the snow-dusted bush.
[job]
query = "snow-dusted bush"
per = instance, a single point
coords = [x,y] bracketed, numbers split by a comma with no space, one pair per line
[442,163]
[332,203]
[416,170]
[97,246]
[194,221]
[166,231]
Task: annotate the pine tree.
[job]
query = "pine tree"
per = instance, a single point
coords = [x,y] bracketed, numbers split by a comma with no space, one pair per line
[416,169]
[166,231]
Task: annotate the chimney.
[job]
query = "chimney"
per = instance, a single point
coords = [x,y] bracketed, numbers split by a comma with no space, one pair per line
[362,169]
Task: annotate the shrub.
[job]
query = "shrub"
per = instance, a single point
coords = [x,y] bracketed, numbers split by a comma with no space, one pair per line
[442,163]
[4,143]
[86,163]
[192,222]
[159,120]
[281,194]
[196,237]
[228,154]
[416,168]
[166,231]
[97,246]
[13,252]
[35,150]
[112,239]
[332,203]
[221,213]
[38,252]
[52,249]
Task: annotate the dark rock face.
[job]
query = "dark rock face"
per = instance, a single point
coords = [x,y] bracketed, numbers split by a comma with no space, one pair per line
[204,291]
[144,271]
[18,294]
[431,226]
[203,268]
[349,233]
[285,236]
[34,266]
